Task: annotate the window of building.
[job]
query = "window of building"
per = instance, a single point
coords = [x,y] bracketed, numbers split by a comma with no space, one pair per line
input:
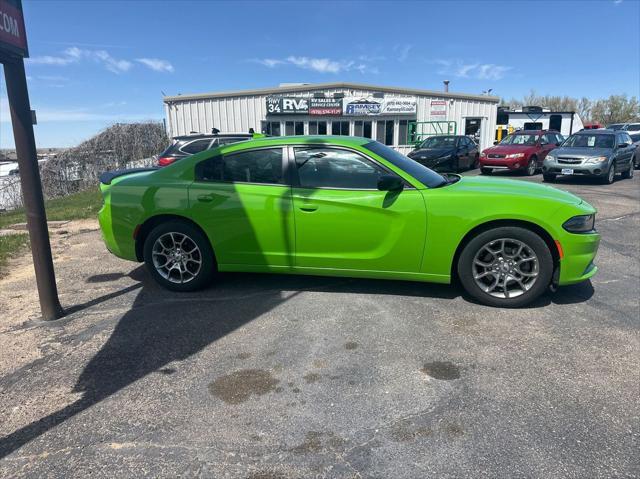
[340,128]
[255,166]
[271,128]
[196,146]
[317,127]
[403,132]
[292,128]
[336,168]
[362,128]
[384,132]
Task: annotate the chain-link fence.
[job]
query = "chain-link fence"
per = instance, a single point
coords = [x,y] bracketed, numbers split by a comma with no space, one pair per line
[120,146]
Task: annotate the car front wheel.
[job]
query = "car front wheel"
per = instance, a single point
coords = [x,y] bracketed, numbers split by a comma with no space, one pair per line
[506,267]
[179,256]
[532,166]
[610,176]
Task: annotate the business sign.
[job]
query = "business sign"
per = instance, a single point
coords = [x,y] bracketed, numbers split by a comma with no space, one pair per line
[325,106]
[371,106]
[439,108]
[278,105]
[13,38]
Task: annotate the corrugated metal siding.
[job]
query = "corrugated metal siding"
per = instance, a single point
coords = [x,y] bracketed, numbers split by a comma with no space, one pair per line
[240,113]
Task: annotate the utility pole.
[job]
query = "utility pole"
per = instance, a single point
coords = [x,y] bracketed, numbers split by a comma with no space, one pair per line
[13,49]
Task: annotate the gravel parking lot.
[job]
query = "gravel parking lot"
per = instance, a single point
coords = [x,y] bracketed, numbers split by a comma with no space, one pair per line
[295,377]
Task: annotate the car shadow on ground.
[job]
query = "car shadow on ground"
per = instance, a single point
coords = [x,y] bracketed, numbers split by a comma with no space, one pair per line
[161,327]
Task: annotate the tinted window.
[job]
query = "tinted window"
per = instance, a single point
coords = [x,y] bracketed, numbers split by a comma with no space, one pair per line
[625,138]
[255,166]
[196,146]
[340,128]
[420,172]
[439,142]
[633,127]
[635,137]
[336,168]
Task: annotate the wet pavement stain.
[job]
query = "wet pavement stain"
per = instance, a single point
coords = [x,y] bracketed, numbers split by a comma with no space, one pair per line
[312,443]
[351,345]
[237,387]
[453,430]
[243,356]
[442,370]
[311,378]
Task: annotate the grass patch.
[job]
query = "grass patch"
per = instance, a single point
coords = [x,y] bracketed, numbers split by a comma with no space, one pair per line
[9,246]
[77,206]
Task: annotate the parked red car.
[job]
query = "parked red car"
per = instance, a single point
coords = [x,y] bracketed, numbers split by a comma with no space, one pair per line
[524,151]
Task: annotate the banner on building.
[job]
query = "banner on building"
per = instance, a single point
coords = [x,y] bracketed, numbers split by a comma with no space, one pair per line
[439,108]
[371,106]
[325,106]
[287,106]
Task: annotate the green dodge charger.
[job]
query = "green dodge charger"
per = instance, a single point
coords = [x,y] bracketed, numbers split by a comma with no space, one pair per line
[345,206]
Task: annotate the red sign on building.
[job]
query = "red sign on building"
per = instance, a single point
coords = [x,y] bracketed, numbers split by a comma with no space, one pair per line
[13,39]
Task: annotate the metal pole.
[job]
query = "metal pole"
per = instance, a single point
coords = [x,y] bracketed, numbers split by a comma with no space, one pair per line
[32,188]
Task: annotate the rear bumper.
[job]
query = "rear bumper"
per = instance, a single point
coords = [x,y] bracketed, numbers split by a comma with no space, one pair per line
[579,253]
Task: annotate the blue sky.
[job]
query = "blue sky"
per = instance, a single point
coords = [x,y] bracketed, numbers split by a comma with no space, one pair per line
[94,63]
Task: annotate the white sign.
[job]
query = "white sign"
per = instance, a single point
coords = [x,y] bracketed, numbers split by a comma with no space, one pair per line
[439,108]
[371,106]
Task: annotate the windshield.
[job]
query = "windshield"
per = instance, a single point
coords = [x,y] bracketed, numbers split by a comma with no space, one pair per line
[528,140]
[590,141]
[420,172]
[439,142]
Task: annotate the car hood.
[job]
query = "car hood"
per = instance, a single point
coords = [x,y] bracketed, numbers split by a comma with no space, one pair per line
[582,152]
[482,185]
[430,153]
[509,149]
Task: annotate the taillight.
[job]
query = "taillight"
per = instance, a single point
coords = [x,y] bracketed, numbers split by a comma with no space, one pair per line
[165,160]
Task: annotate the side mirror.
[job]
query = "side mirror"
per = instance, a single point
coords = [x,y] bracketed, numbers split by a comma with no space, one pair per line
[495,142]
[390,183]
[558,144]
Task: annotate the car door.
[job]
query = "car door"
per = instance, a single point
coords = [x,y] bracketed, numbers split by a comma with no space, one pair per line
[547,143]
[622,152]
[344,222]
[471,152]
[243,203]
[462,150]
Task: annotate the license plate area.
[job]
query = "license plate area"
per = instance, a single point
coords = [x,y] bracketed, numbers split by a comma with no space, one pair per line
[567,171]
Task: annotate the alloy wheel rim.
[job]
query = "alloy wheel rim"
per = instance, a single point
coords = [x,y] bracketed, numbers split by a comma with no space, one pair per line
[505,268]
[532,167]
[631,168]
[176,257]
[612,173]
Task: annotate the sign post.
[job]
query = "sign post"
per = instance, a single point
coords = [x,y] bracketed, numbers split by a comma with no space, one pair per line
[13,49]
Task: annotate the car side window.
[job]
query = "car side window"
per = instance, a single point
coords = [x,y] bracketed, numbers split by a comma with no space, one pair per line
[195,146]
[625,138]
[255,166]
[336,168]
[544,140]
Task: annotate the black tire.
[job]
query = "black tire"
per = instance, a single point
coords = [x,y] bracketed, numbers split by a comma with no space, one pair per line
[532,166]
[636,159]
[465,266]
[486,171]
[610,175]
[548,177]
[204,254]
[629,173]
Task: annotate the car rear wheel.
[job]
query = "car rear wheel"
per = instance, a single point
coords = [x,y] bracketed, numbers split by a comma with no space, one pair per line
[629,173]
[549,178]
[636,159]
[507,267]
[179,256]
[532,166]
[486,171]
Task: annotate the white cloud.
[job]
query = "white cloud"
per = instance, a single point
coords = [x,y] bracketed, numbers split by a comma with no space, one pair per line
[480,71]
[402,51]
[51,60]
[320,65]
[156,64]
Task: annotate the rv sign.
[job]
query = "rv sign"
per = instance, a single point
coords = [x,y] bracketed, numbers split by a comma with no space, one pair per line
[13,39]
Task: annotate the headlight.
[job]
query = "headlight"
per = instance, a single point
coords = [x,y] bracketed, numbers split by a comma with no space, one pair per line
[580,224]
[550,158]
[595,160]
[515,155]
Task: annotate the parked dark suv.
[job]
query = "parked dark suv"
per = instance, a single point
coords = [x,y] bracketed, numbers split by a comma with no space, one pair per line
[183,146]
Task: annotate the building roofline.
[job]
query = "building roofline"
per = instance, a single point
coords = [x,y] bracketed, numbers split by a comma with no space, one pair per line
[322,86]
[539,112]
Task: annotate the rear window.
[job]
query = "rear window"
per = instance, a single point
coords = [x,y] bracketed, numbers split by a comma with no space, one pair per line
[420,172]
[195,146]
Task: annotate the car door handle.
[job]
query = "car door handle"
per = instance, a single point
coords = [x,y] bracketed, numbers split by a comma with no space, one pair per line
[308,207]
[205,198]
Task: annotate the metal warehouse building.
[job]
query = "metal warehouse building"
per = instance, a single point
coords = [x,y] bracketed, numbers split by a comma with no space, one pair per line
[395,116]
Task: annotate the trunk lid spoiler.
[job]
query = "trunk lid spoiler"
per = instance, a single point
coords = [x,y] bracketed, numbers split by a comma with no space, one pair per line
[108,176]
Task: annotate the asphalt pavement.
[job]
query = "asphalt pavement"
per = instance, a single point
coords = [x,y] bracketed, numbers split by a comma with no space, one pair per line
[275,376]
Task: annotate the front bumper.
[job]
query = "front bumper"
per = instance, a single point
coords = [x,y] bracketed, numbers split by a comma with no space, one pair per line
[503,163]
[555,168]
[579,253]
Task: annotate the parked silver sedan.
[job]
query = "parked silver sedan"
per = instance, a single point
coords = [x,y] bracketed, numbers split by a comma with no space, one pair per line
[599,153]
